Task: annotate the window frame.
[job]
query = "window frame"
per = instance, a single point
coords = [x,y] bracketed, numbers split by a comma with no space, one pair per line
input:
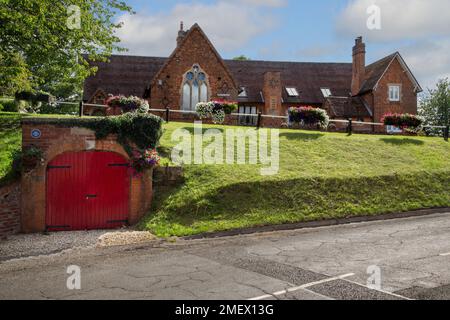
[195,71]
[292,92]
[244,93]
[393,98]
[328,91]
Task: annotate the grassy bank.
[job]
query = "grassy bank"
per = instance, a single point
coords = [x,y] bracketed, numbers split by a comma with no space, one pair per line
[10,144]
[322,175]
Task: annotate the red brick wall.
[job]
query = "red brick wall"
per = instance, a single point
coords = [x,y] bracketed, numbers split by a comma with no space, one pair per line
[358,66]
[9,210]
[54,141]
[196,49]
[408,97]
[272,93]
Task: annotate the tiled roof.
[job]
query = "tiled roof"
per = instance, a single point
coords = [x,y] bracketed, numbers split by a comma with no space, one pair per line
[346,107]
[127,75]
[130,75]
[374,72]
[307,77]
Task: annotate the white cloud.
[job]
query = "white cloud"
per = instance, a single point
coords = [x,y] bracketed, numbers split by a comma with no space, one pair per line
[429,60]
[400,19]
[229,24]
[419,29]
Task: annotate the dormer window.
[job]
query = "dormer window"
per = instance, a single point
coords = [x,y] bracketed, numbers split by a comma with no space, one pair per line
[326,92]
[292,92]
[243,93]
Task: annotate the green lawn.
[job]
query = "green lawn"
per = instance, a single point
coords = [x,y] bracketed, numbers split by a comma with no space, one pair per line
[322,176]
[11,142]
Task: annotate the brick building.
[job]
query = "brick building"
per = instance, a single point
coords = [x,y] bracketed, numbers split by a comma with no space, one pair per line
[195,72]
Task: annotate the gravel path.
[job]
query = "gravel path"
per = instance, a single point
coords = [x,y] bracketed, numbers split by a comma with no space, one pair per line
[27,245]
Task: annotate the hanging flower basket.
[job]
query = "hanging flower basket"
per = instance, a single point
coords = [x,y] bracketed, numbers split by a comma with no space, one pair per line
[309,116]
[216,110]
[403,121]
[143,160]
[121,104]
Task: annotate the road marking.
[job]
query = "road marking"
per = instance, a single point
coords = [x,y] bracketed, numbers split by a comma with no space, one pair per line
[445,254]
[294,289]
[379,290]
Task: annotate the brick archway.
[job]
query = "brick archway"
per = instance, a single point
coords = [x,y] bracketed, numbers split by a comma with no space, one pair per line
[54,140]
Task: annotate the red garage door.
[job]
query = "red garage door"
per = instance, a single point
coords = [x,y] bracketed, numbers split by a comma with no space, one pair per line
[87,190]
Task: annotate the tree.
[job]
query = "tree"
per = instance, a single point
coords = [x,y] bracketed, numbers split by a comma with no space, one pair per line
[49,43]
[435,106]
[241,58]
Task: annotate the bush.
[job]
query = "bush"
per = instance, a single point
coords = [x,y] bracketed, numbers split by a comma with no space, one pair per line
[1,107]
[60,108]
[9,106]
[309,116]
[128,104]
[403,121]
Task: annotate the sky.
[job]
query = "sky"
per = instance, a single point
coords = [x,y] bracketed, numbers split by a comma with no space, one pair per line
[300,30]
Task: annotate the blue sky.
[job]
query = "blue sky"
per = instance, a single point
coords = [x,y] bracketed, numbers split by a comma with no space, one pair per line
[299,30]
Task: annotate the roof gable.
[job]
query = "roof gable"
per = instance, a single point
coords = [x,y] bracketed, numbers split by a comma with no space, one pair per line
[179,48]
[376,71]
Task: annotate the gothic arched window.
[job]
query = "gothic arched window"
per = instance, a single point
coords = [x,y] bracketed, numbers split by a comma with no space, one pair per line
[195,88]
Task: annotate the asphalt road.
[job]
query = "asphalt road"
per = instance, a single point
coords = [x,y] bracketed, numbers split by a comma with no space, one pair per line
[412,256]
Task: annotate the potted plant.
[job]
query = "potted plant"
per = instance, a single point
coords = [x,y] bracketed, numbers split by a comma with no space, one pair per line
[404,121]
[146,159]
[121,104]
[309,116]
[216,110]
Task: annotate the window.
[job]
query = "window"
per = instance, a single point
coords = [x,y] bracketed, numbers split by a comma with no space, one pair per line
[394,93]
[292,92]
[195,88]
[326,92]
[243,93]
[247,119]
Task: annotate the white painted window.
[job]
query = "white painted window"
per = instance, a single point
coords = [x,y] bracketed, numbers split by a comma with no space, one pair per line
[292,92]
[394,93]
[195,88]
[246,119]
[326,92]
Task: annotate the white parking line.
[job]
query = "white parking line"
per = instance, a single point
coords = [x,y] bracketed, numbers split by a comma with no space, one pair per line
[382,291]
[445,254]
[290,290]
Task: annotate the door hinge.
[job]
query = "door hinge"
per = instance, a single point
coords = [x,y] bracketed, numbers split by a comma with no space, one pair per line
[118,165]
[59,167]
[57,227]
[117,221]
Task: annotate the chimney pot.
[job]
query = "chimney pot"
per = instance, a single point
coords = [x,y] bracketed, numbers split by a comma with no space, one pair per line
[181,33]
[358,66]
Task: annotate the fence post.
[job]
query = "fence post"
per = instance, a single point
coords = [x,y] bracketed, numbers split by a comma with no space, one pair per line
[81,109]
[258,123]
[167,114]
[350,127]
[446,132]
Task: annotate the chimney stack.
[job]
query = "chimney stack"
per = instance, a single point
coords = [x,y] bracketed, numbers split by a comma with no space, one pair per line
[181,34]
[359,65]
